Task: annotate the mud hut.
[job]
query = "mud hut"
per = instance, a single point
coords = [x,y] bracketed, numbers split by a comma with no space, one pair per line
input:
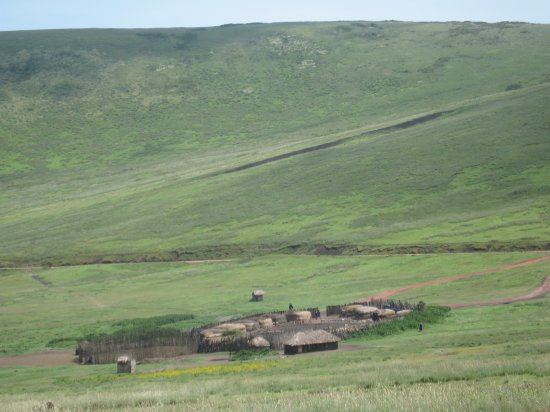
[310,341]
[259,343]
[258,295]
[300,316]
[266,323]
[125,364]
[360,311]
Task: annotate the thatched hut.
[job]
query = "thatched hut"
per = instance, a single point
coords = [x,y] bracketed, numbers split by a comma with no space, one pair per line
[241,327]
[259,343]
[310,341]
[250,326]
[258,295]
[299,316]
[266,323]
[125,364]
[384,313]
[360,311]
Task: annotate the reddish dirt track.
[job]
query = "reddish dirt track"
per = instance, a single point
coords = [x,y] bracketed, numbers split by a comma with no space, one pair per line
[389,293]
[537,293]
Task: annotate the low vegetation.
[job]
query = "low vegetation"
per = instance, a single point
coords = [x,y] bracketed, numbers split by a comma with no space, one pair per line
[244,355]
[141,327]
[430,315]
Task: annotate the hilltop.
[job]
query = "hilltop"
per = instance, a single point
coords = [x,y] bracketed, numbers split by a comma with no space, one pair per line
[173,143]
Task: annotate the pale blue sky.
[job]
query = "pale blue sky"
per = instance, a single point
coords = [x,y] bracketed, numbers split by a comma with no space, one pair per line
[51,14]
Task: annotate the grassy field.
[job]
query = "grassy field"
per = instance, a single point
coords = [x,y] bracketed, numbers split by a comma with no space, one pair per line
[268,144]
[63,304]
[114,142]
[488,358]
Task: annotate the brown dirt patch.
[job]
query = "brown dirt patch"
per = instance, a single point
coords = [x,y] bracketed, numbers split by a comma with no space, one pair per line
[50,358]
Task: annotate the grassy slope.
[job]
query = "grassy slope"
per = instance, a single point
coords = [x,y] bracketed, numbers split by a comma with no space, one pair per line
[481,358]
[103,130]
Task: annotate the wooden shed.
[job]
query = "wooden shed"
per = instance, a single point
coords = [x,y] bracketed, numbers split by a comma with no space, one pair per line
[311,341]
[126,364]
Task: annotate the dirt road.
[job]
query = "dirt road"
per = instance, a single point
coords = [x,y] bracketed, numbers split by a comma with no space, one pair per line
[534,294]
[389,293]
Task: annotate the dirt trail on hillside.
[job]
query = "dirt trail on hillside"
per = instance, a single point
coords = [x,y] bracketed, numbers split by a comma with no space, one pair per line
[391,128]
[541,291]
[534,294]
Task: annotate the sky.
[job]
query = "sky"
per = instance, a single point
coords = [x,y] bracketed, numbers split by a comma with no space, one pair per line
[62,14]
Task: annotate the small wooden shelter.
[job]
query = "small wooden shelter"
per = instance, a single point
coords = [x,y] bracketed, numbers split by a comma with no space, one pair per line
[258,295]
[125,364]
[310,341]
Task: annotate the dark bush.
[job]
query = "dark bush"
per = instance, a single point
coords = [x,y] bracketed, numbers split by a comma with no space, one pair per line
[143,327]
[247,354]
[513,86]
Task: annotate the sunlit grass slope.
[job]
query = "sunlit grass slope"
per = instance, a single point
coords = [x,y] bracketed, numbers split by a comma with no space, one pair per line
[112,139]
[487,358]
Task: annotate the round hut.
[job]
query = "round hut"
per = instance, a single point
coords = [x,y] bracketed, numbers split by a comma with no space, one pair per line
[259,343]
[310,341]
[299,316]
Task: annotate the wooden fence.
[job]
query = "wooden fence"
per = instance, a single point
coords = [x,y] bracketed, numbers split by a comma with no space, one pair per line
[107,350]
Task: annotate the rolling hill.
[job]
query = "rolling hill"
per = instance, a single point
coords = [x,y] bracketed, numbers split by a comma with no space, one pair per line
[124,145]
[266,143]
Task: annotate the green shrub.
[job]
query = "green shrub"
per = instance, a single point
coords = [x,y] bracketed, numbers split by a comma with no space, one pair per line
[247,354]
[430,315]
[143,327]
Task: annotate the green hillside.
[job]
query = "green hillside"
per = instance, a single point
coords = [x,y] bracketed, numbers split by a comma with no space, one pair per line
[140,144]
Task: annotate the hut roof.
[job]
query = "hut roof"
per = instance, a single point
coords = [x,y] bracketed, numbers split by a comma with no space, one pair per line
[311,337]
[360,309]
[259,342]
